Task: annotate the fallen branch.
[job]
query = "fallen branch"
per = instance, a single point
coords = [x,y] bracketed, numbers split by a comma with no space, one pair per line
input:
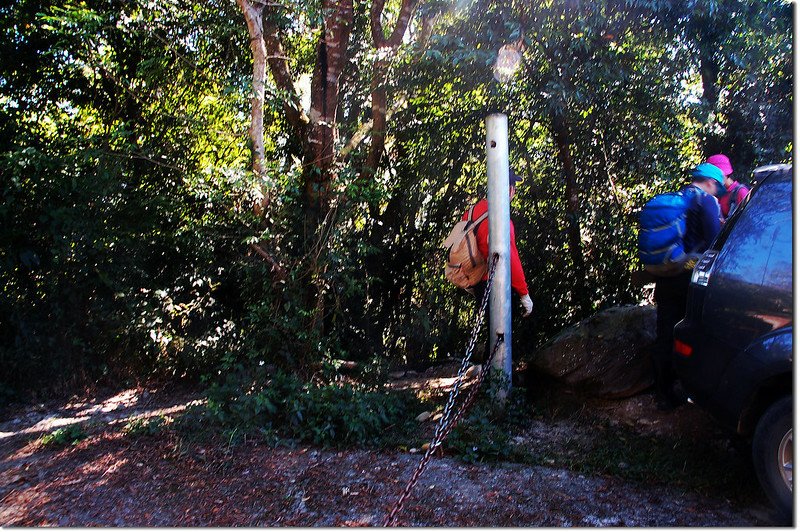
[280,273]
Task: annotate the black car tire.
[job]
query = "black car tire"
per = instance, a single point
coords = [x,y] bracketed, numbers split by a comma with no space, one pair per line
[772,433]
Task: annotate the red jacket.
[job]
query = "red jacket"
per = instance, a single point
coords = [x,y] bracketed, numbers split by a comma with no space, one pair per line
[517,275]
[725,201]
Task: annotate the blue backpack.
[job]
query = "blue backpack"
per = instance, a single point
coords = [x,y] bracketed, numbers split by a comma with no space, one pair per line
[662,228]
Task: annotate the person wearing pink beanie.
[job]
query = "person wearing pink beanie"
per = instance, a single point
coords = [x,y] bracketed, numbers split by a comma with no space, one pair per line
[736,191]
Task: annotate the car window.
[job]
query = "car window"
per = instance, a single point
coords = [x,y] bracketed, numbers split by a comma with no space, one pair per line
[748,240]
[779,267]
[750,286]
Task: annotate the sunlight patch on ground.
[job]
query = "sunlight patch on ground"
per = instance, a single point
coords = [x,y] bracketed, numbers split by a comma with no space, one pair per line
[122,407]
[47,424]
[437,383]
[124,399]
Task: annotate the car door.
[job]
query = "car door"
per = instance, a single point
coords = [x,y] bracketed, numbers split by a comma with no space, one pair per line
[750,291]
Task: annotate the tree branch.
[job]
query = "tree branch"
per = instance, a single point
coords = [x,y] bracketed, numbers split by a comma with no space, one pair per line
[376,27]
[279,68]
[280,273]
[360,134]
[386,48]
[365,128]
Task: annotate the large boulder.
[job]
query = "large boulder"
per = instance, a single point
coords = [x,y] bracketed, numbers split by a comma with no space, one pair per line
[605,355]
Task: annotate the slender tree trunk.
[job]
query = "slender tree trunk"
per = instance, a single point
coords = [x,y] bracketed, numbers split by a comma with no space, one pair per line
[709,75]
[253,13]
[386,47]
[561,135]
[321,151]
[709,72]
[378,135]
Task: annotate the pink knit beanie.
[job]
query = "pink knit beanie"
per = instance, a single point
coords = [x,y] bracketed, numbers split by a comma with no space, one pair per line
[721,162]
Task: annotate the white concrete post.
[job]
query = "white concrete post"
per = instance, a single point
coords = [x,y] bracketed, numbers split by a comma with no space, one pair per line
[500,243]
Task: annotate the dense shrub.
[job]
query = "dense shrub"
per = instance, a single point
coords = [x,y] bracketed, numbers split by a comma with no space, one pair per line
[324,414]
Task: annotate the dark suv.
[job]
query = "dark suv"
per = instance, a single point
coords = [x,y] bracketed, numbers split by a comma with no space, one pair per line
[733,349]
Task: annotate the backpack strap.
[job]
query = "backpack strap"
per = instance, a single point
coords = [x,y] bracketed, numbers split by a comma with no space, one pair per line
[477,222]
[734,198]
[481,218]
[696,203]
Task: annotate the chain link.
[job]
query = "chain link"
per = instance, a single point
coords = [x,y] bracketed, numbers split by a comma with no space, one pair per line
[446,423]
[468,354]
[474,390]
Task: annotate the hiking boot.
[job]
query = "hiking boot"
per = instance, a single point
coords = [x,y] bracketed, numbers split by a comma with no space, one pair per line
[679,394]
[666,402]
[665,405]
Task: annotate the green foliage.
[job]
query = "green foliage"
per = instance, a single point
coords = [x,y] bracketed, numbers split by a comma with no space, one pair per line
[336,414]
[144,427]
[122,175]
[479,438]
[64,436]
[125,198]
[484,435]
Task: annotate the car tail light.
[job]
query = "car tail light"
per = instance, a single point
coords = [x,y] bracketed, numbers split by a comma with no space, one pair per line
[702,270]
[683,349]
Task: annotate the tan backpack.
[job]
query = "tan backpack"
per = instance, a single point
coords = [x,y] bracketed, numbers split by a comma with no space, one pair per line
[465,265]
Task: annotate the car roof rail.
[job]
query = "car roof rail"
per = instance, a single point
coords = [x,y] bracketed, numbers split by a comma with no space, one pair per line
[772,168]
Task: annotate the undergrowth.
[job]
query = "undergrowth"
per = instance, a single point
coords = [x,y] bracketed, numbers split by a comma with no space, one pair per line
[64,436]
[145,427]
[484,434]
[329,415]
[284,409]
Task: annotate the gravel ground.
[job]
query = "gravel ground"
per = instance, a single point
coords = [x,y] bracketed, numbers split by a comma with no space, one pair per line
[113,479]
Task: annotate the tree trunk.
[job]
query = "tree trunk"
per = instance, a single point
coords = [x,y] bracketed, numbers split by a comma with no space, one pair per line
[561,136]
[282,76]
[378,134]
[321,150]
[386,47]
[709,72]
[253,13]
[707,40]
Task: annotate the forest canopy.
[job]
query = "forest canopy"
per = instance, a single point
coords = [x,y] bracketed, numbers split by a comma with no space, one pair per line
[192,190]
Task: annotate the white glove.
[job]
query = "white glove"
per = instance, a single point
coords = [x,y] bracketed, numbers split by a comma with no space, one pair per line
[527,304]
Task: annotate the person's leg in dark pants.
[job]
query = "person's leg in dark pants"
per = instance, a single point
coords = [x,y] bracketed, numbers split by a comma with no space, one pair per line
[478,290]
[671,295]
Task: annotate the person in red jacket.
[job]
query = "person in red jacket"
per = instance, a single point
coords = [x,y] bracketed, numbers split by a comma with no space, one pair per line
[736,192]
[518,283]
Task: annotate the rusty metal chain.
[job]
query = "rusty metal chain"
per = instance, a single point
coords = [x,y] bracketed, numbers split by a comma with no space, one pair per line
[462,370]
[446,423]
[475,388]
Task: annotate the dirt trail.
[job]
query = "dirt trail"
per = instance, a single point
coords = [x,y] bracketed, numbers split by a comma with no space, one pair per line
[110,479]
